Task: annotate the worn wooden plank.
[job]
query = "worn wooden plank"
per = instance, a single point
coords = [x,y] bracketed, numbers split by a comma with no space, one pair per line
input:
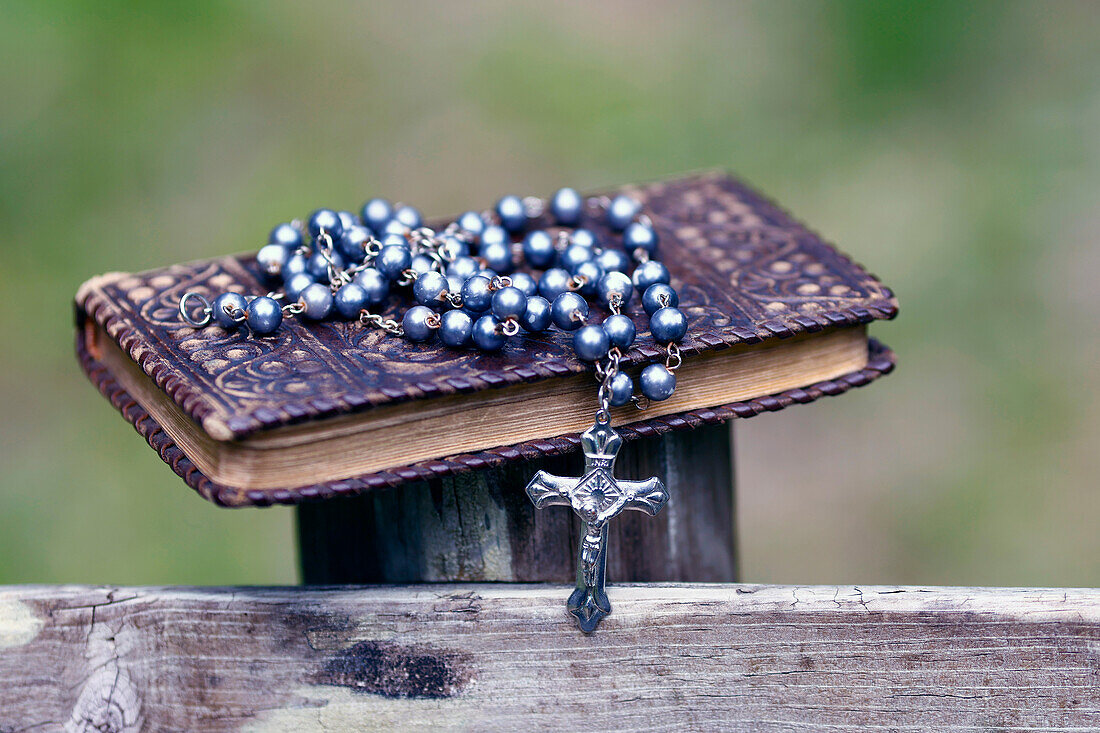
[481,526]
[507,657]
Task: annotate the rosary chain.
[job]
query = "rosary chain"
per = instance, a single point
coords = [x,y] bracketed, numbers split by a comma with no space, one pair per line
[615,303]
[674,359]
[434,252]
[377,321]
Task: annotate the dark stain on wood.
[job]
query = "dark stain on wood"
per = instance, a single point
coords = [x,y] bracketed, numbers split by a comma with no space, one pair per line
[395,671]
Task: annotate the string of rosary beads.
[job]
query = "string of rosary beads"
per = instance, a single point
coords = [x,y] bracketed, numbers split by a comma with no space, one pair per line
[465,282]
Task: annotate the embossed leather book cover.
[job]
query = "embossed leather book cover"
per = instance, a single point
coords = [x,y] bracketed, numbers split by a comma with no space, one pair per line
[775,317]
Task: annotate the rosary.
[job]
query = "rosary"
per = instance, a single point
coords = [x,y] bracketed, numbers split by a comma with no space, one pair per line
[467,288]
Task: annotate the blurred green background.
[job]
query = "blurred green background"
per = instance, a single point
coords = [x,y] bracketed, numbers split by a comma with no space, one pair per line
[952,147]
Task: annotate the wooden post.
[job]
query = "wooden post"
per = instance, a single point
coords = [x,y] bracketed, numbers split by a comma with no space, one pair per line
[482,527]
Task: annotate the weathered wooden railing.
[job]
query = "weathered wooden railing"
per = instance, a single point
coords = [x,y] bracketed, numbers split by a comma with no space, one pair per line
[508,657]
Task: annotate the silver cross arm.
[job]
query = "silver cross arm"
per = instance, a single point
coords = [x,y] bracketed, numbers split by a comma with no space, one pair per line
[546,489]
[645,496]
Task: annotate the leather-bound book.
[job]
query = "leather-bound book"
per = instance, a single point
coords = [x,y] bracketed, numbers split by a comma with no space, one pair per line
[775,317]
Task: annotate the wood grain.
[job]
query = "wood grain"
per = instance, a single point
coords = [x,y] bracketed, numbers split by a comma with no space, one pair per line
[507,657]
[481,526]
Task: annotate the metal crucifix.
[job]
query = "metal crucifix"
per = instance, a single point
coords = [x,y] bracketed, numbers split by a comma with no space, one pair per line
[596,497]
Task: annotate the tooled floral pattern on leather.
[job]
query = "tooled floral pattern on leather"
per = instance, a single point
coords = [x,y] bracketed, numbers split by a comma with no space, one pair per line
[738,262]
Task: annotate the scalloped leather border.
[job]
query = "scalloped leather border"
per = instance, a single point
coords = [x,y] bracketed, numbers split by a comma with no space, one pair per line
[880,361]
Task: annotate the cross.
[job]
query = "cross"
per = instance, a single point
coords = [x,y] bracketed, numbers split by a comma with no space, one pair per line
[596,497]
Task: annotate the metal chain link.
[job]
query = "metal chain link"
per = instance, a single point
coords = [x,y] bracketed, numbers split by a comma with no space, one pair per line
[674,359]
[206,311]
[615,303]
[376,321]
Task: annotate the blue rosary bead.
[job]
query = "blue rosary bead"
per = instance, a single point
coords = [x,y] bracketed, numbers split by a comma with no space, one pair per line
[622,389]
[234,303]
[659,296]
[667,325]
[318,265]
[498,256]
[477,295]
[463,268]
[620,330]
[613,260]
[263,315]
[317,299]
[422,263]
[395,240]
[428,288]
[658,383]
[376,212]
[553,283]
[526,284]
[395,227]
[271,258]
[621,211]
[574,256]
[493,234]
[566,206]
[285,235]
[536,317]
[349,300]
[639,236]
[591,273]
[584,238]
[454,246]
[456,328]
[374,284]
[487,334]
[327,220]
[512,214]
[347,219]
[649,273]
[614,282]
[509,302]
[352,245]
[591,343]
[409,216]
[393,260]
[415,323]
[538,249]
[295,264]
[296,284]
[471,222]
[568,310]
